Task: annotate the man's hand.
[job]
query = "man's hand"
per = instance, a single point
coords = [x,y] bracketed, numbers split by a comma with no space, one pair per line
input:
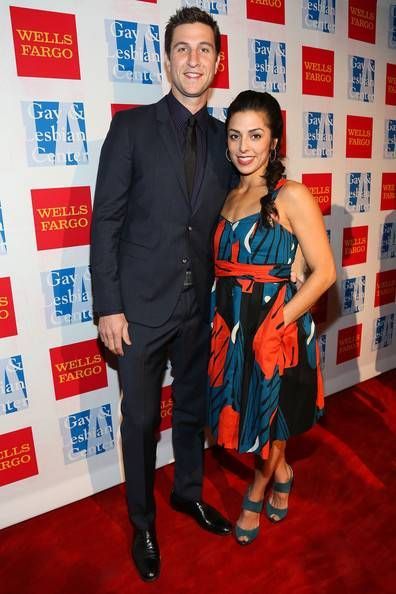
[113,330]
[298,273]
[297,280]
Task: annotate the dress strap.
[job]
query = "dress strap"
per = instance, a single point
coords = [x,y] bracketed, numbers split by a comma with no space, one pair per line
[278,186]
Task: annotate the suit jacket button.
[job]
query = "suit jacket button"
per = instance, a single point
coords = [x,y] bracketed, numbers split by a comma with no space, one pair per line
[189,228]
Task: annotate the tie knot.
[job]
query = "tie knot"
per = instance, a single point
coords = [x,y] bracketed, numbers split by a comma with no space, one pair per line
[191,121]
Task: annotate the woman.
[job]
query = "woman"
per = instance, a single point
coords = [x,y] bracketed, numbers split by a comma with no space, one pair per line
[264,375]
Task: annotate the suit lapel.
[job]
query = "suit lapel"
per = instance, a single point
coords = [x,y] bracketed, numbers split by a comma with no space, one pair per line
[168,136]
[213,148]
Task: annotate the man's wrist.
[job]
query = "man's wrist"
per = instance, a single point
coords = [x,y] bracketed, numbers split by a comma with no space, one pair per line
[101,314]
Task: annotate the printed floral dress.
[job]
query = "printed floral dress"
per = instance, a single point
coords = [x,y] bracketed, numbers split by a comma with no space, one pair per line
[264,378]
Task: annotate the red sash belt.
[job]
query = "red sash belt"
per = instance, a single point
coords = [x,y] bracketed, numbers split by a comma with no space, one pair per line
[257,272]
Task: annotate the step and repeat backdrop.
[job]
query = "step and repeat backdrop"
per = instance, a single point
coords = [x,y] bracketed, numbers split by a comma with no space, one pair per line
[66,67]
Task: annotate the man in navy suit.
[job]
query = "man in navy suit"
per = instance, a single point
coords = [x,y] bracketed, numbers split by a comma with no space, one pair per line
[161,183]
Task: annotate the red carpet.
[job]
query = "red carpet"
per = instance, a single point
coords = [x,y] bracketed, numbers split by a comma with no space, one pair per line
[338,537]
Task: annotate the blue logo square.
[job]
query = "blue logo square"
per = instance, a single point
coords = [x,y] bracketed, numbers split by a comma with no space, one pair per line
[68,296]
[353,292]
[134,52]
[358,192]
[220,113]
[55,132]
[361,83]
[211,6]
[267,65]
[383,332]
[319,15]
[3,243]
[392,26]
[390,139]
[87,433]
[322,339]
[13,393]
[387,245]
[318,134]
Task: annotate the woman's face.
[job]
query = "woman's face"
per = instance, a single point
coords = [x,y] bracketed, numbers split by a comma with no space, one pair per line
[249,141]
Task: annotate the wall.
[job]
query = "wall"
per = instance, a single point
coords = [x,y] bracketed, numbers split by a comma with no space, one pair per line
[332,66]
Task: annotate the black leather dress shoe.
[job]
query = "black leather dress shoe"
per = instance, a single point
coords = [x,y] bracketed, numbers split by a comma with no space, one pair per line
[205,515]
[146,555]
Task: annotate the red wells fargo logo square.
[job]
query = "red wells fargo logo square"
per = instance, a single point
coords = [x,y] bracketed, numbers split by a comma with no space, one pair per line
[77,368]
[222,79]
[362,18]
[359,137]
[349,343]
[317,71]
[385,287]
[354,245]
[17,456]
[45,43]
[271,11]
[319,184]
[62,217]
[8,325]
[390,93]
[166,408]
[115,107]
[388,191]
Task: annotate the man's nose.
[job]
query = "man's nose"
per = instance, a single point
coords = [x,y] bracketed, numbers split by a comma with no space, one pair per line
[193,57]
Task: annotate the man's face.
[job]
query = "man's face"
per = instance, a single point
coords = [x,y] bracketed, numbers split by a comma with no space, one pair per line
[193,62]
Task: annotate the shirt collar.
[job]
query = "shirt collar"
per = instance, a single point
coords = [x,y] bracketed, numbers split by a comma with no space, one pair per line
[180,114]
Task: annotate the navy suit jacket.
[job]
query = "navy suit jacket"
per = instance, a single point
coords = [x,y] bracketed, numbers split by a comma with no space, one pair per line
[144,232]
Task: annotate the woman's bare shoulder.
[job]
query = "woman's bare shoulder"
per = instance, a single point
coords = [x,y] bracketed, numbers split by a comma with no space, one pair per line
[294,192]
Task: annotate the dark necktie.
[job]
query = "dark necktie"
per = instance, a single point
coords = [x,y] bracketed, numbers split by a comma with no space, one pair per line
[190,153]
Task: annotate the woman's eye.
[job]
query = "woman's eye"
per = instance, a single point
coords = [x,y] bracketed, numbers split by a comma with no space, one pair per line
[233,136]
[256,136]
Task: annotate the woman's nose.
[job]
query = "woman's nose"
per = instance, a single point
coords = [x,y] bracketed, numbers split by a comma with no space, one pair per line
[243,144]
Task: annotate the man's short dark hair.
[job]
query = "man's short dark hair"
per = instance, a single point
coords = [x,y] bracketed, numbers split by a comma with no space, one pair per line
[188,16]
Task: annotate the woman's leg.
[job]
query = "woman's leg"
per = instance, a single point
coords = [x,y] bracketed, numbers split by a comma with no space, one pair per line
[263,473]
[282,474]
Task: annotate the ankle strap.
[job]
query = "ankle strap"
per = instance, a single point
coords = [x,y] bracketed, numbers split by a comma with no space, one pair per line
[253,506]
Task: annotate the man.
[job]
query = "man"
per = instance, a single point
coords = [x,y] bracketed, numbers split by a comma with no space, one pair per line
[161,183]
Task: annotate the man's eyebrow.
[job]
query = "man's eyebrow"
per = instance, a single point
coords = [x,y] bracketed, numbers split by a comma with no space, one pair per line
[208,43]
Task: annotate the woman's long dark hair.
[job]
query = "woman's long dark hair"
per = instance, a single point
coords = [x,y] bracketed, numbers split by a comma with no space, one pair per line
[265,103]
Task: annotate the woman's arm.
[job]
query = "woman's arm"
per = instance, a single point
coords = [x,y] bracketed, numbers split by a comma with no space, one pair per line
[301,213]
[299,270]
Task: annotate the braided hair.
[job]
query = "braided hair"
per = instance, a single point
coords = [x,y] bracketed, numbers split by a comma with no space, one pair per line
[264,102]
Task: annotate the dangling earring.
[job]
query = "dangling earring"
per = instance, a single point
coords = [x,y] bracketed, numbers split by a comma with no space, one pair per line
[227,154]
[273,155]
